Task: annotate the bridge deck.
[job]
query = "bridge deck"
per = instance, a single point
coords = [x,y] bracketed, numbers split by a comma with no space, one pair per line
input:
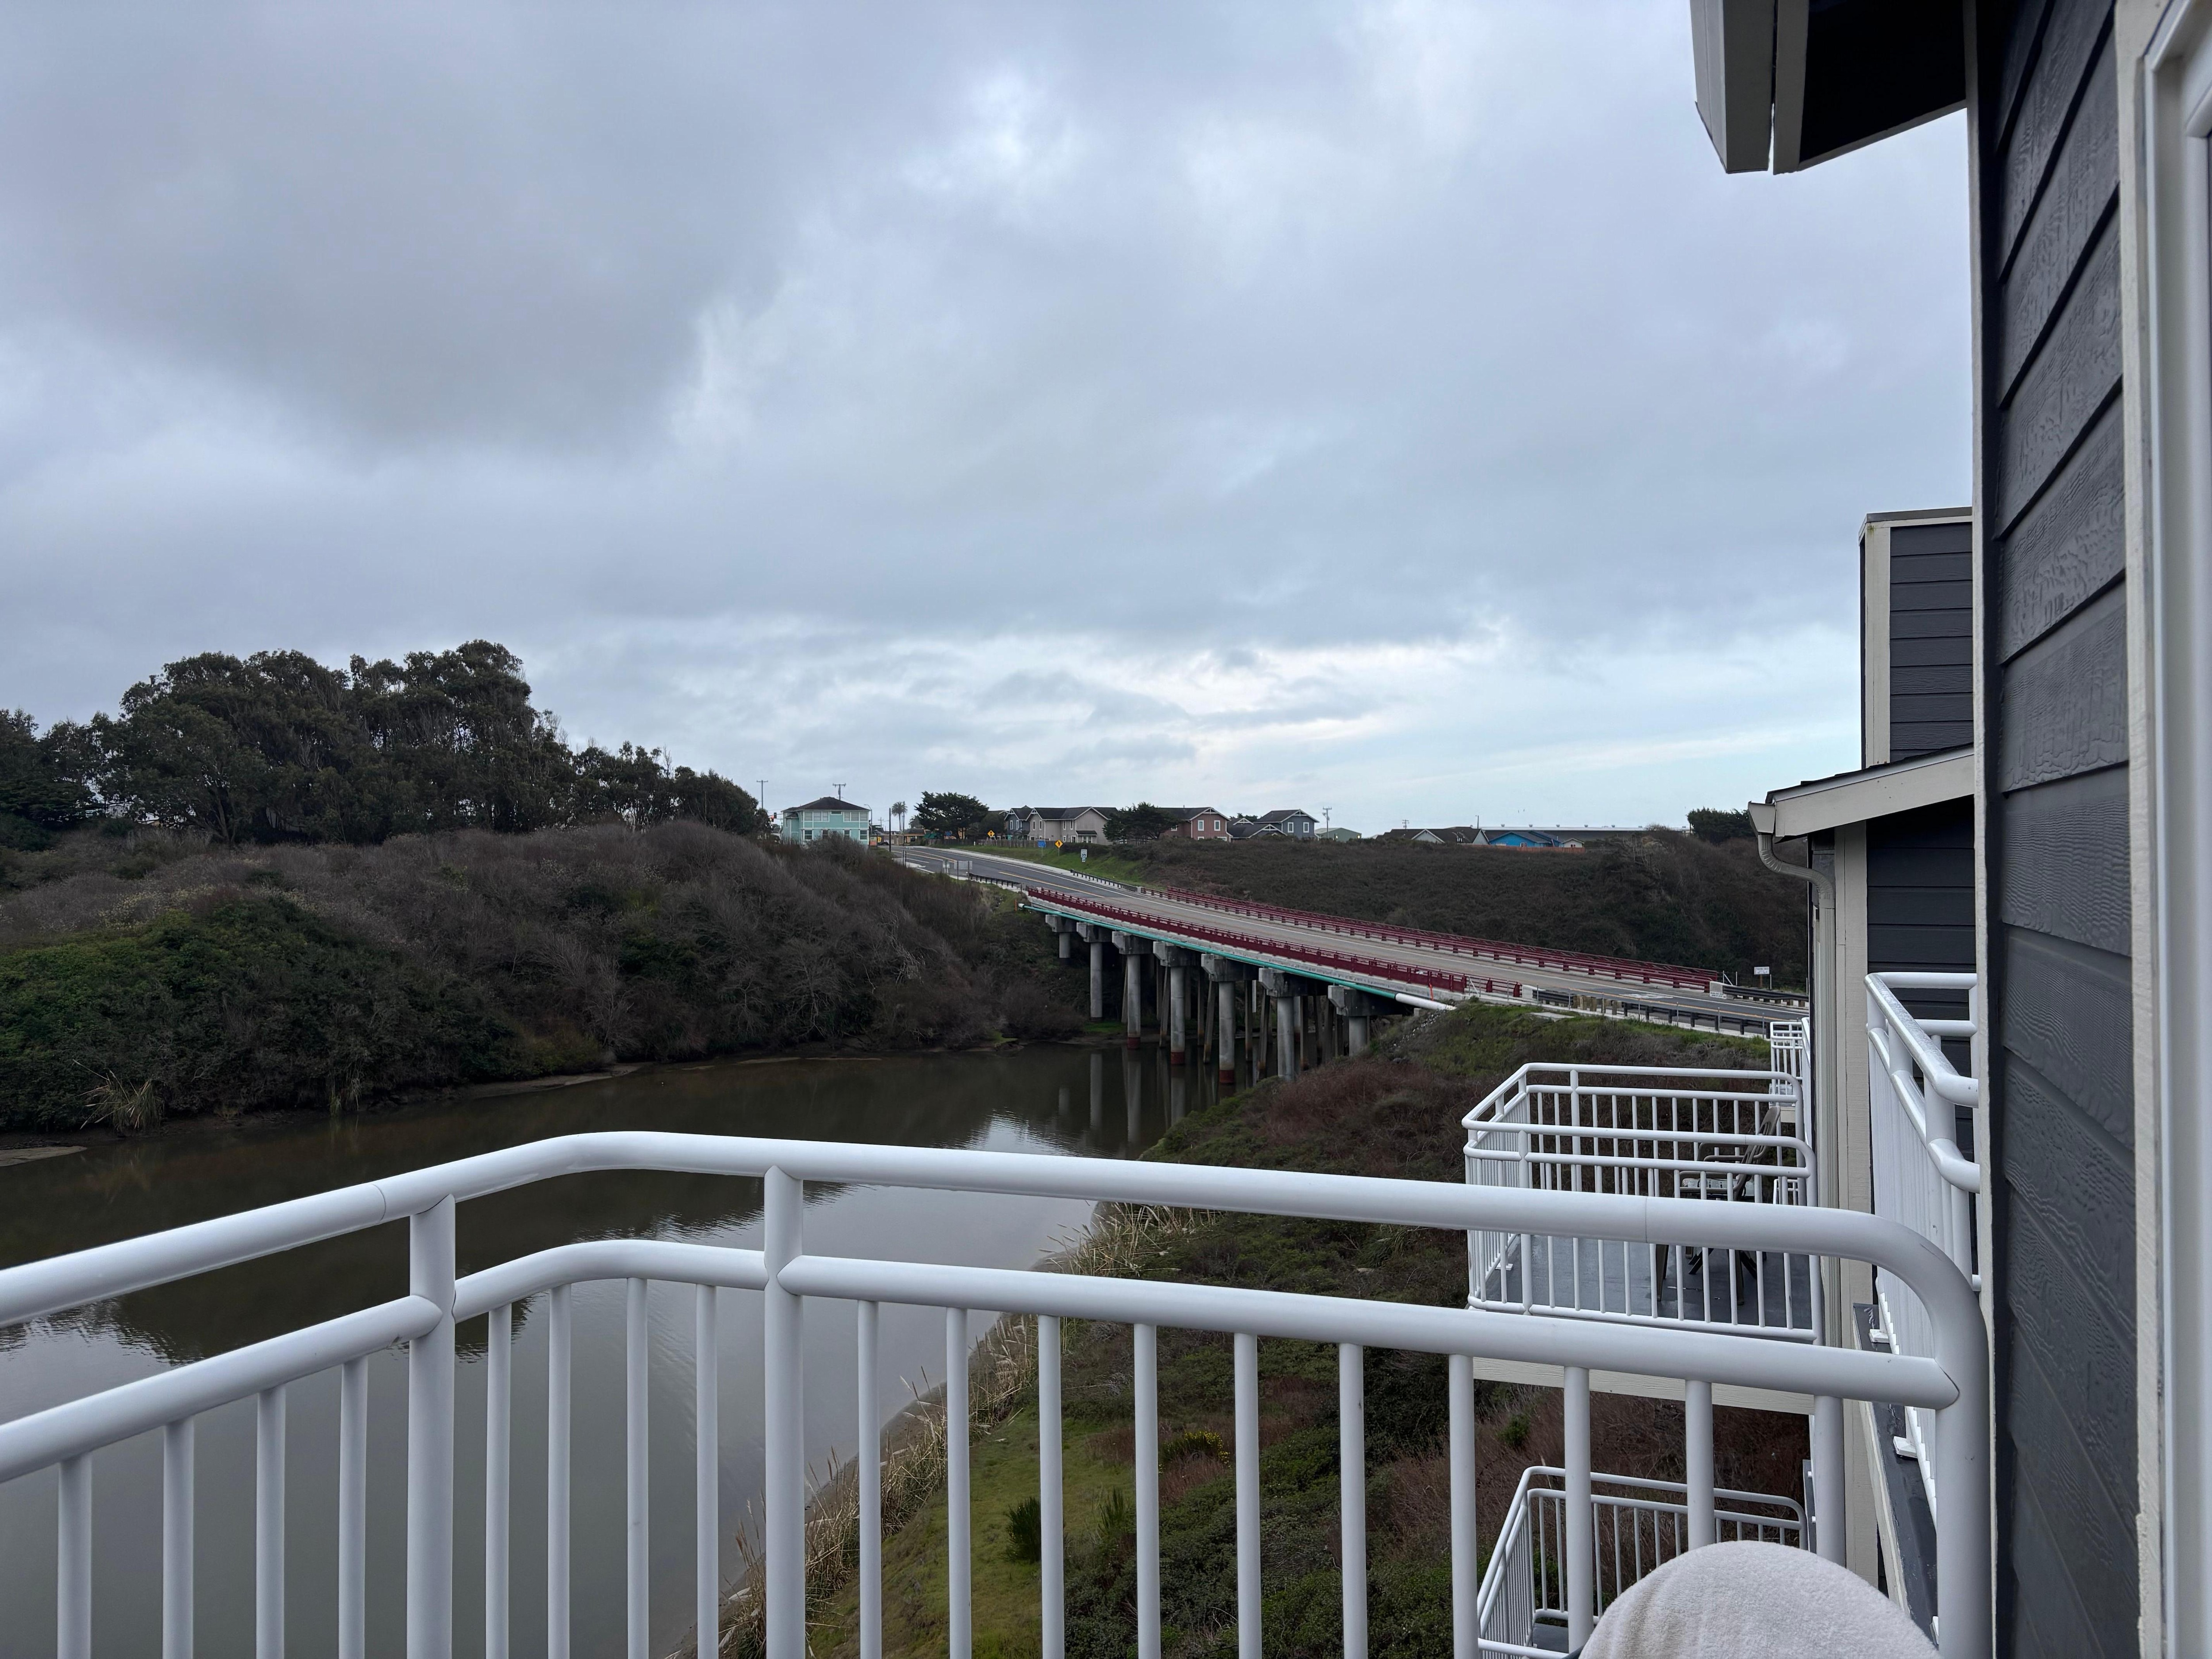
[1396,958]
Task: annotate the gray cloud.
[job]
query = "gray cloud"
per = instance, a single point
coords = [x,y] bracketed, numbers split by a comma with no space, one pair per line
[1150,348]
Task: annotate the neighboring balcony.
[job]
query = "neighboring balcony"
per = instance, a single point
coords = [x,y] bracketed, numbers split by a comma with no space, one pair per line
[1915,1100]
[1634,1527]
[1732,1137]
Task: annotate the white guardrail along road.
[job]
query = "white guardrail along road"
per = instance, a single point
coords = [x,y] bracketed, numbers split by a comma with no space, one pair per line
[1948,1382]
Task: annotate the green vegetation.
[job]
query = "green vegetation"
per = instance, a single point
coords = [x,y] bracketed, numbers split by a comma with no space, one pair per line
[276,747]
[144,974]
[1143,822]
[1662,897]
[1712,823]
[954,817]
[1396,1115]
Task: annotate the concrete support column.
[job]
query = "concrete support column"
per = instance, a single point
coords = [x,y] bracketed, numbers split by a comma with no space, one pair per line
[1097,979]
[1287,1037]
[1066,943]
[1224,1057]
[1133,1000]
[1178,1013]
[1357,1010]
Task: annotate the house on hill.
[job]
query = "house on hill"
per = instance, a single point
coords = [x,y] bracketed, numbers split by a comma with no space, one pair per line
[820,819]
[1285,821]
[1196,823]
[1044,824]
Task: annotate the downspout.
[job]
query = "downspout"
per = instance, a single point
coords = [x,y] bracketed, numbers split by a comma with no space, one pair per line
[1827,1121]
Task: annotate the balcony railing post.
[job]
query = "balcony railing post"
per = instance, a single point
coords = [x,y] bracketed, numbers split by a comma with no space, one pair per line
[870,1475]
[1828,1522]
[1051,1539]
[959,1516]
[1352,1492]
[1698,1456]
[638,1469]
[1581,1567]
[1248,1495]
[177,1549]
[1962,1541]
[1146,1344]
[269,1524]
[353,1512]
[431,1440]
[707,1479]
[784,1468]
[1466,1580]
[499,1414]
[559,1344]
[73,1573]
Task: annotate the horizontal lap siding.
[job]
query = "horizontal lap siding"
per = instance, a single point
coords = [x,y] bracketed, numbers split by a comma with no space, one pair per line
[1931,615]
[2061,1115]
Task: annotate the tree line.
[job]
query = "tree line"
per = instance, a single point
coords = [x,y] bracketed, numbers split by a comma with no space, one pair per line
[951,815]
[279,747]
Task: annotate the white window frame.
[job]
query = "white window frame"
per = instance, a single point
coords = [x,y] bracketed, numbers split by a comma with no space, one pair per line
[2177,107]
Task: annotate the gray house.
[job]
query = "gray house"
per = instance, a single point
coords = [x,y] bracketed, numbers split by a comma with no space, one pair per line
[2084,720]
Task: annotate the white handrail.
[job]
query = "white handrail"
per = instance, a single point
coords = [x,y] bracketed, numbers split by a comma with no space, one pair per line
[1703,1132]
[1920,1179]
[1949,1381]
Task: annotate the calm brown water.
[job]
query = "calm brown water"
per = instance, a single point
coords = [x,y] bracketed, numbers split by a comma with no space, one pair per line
[1040,1100]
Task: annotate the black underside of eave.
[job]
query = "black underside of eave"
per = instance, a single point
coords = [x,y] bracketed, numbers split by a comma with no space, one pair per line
[1874,65]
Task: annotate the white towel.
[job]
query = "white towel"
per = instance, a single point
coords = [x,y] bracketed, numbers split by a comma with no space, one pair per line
[1754,1601]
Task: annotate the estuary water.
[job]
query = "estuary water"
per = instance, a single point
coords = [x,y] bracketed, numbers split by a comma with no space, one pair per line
[1066,1100]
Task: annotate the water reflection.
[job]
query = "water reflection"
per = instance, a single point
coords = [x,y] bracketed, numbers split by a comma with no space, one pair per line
[1019,1101]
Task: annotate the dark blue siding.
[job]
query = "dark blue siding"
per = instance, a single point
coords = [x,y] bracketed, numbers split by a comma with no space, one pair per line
[1931,638]
[2061,1116]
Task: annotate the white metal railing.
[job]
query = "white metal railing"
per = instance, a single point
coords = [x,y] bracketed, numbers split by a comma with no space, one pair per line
[1636,1527]
[1920,1179]
[1655,1133]
[1951,1383]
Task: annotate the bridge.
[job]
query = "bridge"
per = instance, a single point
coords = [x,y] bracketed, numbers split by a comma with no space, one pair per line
[1363,967]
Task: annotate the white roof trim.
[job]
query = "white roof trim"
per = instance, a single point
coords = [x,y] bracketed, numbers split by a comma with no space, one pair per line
[1876,793]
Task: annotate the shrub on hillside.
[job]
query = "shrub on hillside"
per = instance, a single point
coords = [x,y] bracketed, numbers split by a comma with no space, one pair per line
[277,975]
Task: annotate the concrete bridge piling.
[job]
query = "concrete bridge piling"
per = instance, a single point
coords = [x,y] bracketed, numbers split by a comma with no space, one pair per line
[1227,978]
[1360,1009]
[1177,1010]
[1096,938]
[1134,949]
[1282,1023]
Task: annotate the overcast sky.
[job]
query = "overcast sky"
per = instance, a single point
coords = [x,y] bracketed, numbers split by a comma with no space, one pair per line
[1387,408]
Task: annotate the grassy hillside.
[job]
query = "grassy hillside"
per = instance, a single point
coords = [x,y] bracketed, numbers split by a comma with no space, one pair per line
[142,975]
[1667,898]
[1395,1116]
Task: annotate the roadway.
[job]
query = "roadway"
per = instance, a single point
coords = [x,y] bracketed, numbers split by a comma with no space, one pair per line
[1393,961]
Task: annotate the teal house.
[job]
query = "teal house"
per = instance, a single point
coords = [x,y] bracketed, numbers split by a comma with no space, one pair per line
[820,819]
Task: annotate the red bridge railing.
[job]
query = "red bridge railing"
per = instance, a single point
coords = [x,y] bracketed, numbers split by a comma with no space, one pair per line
[1574,962]
[1312,955]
